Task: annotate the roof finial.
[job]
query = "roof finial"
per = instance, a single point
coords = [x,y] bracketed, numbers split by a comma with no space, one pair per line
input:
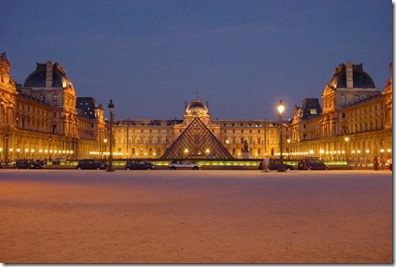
[196,94]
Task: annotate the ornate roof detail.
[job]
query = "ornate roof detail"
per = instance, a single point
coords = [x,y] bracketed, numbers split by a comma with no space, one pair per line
[197,108]
[349,75]
[48,75]
[5,67]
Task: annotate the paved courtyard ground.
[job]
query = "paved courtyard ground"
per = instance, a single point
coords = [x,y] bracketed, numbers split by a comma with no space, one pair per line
[206,216]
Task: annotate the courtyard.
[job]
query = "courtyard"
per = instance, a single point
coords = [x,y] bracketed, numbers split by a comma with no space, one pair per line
[205,216]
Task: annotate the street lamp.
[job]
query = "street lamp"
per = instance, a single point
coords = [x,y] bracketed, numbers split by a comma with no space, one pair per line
[346,149]
[281,108]
[6,149]
[104,148]
[111,109]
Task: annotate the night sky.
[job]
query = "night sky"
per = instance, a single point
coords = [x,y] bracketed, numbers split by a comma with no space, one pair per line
[240,56]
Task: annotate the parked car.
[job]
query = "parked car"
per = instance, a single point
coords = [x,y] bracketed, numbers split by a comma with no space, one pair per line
[139,164]
[183,164]
[275,164]
[91,164]
[312,164]
[27,164]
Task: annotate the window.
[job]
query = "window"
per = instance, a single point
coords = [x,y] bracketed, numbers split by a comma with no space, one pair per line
[312,111]
[343,101]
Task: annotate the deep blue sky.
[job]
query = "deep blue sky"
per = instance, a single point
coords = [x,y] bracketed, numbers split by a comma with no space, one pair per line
[241,56]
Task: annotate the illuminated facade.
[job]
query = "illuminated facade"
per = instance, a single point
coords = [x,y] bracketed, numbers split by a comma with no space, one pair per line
[44,119]
[355,123]
[154,138]
[39,119]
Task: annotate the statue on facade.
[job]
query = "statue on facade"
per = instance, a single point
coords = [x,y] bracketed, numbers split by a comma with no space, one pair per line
[245,146]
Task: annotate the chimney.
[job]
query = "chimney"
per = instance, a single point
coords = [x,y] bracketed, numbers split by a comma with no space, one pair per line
[49,74]
[349,75]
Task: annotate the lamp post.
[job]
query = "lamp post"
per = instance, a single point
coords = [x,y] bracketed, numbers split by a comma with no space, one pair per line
[265,137]
[50,148]
[346,149]
[104,148]
[288,140]
[281,108]
[6,149]
[111,109]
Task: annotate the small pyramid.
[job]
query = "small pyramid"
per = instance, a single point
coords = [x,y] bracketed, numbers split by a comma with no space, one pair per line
[197,142]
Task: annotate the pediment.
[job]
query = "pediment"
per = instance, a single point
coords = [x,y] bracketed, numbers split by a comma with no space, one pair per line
[328,91]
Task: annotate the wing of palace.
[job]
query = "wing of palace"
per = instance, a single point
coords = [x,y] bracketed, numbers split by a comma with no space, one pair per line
[43,118]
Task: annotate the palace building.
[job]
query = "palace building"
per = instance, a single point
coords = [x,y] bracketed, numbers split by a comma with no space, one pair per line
[355,123]
[43,118]
[196,136]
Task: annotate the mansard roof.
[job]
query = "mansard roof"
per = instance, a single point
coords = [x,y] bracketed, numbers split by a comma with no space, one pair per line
[38,77]
[360,78]
[310,108]
[86,106]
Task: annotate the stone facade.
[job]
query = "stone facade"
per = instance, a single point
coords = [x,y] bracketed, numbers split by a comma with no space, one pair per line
[355,124]
[151,138]
[44,119]
[39,119]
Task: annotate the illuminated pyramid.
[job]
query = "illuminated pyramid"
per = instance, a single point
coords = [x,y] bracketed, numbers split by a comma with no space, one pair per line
[197,142]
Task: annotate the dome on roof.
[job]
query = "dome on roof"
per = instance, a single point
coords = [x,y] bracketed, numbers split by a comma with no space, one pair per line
[197,108]
[360,78]
[38,77]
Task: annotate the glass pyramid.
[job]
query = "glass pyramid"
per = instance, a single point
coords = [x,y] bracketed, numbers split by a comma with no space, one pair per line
[197,142]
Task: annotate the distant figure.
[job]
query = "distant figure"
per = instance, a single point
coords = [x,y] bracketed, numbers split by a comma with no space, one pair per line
[376,163]
[266,163]
[381,163]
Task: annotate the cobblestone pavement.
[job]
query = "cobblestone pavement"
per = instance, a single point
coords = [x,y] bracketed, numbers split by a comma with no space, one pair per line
[206,216]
